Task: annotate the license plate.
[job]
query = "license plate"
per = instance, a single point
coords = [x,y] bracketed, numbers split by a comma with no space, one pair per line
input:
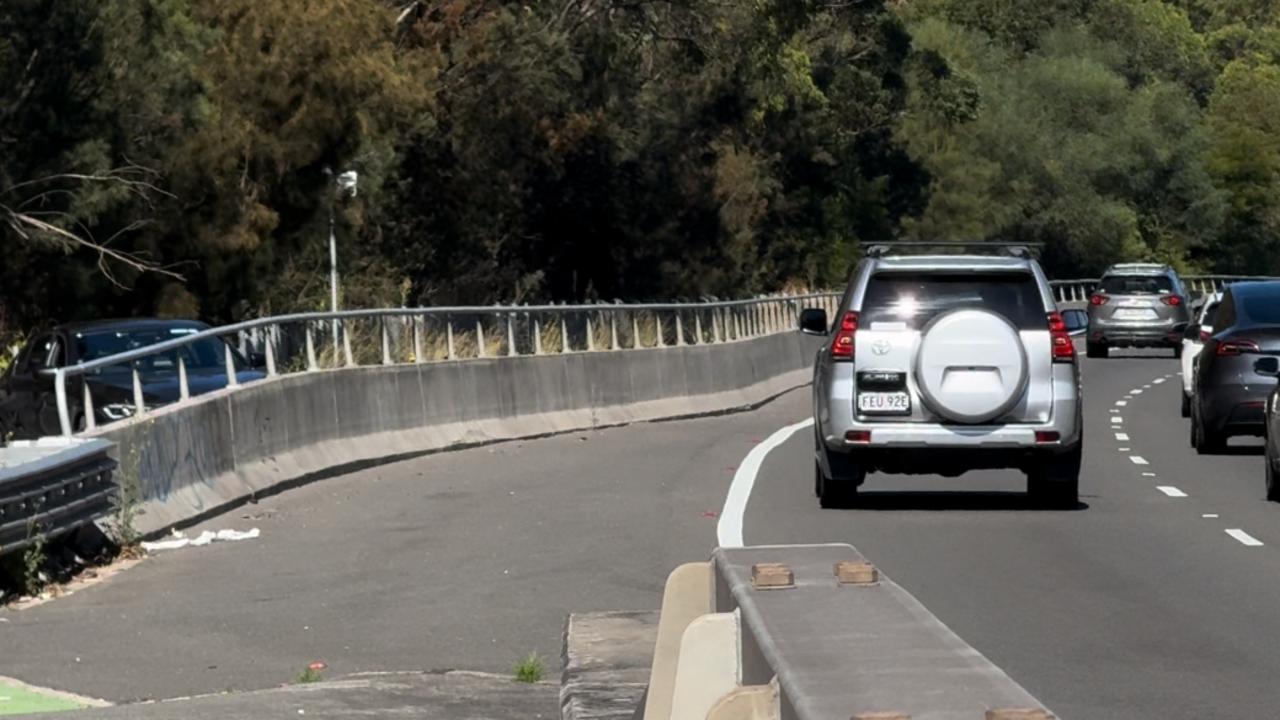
[1135,313]
[884,402]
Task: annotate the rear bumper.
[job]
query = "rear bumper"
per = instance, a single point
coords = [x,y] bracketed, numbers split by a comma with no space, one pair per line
[1234,409]
[1161,334]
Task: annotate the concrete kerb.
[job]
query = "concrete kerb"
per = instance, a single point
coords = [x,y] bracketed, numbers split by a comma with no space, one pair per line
[688,595]
[709,666]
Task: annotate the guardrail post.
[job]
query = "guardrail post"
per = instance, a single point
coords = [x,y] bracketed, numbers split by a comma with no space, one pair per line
[311,348]
[591,336]
[613,330]
[564,333]
[635,330]
[737,325]
[537,335]
[679,331]
[479,337]
[346,345]
[386,342]
[417,321]
[449,352]
[657,324]
[511,334]
[269,347]
[715,325]
[697,328]
[90,422]
[232,380]
[139,402]
[60,394]
[184,389]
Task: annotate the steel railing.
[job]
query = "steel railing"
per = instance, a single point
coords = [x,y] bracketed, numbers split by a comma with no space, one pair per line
[1079,290]
[312,342]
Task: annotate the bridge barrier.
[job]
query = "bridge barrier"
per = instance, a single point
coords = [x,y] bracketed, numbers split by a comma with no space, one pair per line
[51,487]
[1077,291]
[217,449]
[814,632]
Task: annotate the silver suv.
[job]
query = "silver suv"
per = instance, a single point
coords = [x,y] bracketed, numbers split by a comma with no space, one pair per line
[942,364]
[1137,305]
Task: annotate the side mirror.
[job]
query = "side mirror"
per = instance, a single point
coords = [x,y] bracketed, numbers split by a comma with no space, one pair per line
[1269,366]
[813,321]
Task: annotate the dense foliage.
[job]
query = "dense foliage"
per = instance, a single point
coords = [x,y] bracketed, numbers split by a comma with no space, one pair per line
[170,156]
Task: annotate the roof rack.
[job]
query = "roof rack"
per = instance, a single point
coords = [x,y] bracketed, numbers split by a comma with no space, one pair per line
[1020,250]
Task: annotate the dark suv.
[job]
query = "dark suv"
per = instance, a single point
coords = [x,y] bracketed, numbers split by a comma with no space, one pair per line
[28,408]
[1229,394]
[1137,305]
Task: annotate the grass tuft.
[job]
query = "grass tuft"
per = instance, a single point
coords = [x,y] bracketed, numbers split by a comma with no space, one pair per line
[530,669]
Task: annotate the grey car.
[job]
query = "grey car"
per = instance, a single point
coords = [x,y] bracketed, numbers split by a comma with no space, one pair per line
[1137,305]
[941,364]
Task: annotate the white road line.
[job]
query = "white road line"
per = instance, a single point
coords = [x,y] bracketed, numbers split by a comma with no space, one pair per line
[1124,449]
[1136,391]
[1157,381]
[729,528]
[1148,474]
[1147,386]
[1138,460]
[1121,403]
[1122,436]
[1244,537]
[1171,491]
[1210,515]
[1117,419]
[1113,410]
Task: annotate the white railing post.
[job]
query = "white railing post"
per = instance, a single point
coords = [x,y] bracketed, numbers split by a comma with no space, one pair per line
[679,330]
[386,341]
[657,325]
[269,348]
[591,336]
[449,352]
[90,422]
[311,349]
[613,330]
[139,402]
[232,380]
[479,337]
[697,328]
[60,395]
[184,389]
[346,344]
[635,330]
[418,321]
[564,333]
[537,335]
[715,325]
[511,334]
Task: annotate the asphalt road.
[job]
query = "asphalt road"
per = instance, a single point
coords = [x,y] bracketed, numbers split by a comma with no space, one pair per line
[1134,605]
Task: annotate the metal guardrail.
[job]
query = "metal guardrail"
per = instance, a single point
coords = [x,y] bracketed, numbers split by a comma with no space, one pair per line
[52,486]
[1079,290]
[312,342]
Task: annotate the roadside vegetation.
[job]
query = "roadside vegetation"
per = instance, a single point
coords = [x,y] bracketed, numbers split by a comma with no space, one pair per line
[172,160]
[530,669]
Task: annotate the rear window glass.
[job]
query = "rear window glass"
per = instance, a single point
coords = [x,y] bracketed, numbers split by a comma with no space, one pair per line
[1210,310]
[913,300]
[1262,309]
[1136,284]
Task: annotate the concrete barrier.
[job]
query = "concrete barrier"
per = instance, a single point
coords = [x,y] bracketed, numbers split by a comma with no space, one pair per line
[234,444]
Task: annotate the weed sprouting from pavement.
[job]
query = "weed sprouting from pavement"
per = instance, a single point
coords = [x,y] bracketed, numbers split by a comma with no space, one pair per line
[312,674]
[530,669]
[126,501]
[33,560]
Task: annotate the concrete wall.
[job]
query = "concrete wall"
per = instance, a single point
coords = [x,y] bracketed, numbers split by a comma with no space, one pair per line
[230,445]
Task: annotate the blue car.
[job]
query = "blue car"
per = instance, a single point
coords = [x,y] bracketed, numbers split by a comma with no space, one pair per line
[28,408]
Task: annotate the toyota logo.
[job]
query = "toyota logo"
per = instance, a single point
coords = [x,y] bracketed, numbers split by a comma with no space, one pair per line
[881,347]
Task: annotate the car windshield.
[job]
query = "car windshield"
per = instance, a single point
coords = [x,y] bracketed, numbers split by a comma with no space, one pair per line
[1136,285]
[913,300]
[206,353]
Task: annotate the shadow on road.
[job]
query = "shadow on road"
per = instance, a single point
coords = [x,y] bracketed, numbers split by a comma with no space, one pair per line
[1240,450]
[949,500]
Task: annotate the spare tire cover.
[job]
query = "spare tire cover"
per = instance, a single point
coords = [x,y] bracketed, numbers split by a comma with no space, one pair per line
[971,366]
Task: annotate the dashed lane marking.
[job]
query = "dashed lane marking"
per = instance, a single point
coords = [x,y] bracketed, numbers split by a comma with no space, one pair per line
[1121,403]
[1171,491]
[1210,515]
[1138,460]
[1244,537]
[1122,436]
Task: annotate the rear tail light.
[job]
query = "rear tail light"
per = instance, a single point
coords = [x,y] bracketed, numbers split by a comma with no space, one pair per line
[1063,349]
[1098,299]
[858,436]
[1044,437]
[842,346]
[1237,347]
[1174,300]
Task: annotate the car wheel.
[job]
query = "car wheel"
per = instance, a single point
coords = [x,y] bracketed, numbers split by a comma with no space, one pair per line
[1056,482]
[1186,405]
[1273,488]
[1204,441]
[1095,350]
[833,494]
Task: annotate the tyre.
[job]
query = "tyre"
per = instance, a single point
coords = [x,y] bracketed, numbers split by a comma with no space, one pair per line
[1095,350]
[1186,405]
[1177,352]
[1202,439]
[1056,482]
[1273,482]
[833,494]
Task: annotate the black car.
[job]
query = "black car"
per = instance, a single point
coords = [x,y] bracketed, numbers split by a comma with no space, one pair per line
[28,408]
[1229,394]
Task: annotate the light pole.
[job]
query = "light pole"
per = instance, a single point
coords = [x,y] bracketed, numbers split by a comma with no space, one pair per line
[343,184]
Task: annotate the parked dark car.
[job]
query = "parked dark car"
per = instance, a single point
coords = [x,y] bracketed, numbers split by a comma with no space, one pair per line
[1229,394]
[28,406]
[1270,367]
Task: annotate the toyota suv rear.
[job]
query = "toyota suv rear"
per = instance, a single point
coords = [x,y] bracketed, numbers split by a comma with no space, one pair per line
[1137,305]
[941,364]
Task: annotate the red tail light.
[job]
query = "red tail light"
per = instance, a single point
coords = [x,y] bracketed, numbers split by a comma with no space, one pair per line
[1174,300]
[858,436]
[1204,336]
[1098,299]
[1063,349]
[1047,436]
[842,347]
[1237,347]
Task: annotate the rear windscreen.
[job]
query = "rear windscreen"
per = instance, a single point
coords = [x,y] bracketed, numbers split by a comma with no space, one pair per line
[1136,285]
[1263,309]
[916,299]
